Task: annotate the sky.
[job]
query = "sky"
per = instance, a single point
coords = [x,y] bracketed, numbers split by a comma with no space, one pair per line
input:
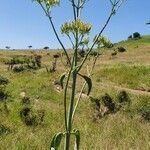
[23,23]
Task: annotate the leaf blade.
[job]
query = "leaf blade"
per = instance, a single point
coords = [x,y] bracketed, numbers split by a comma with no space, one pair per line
[56,141]
[88,81]
[77,139]
[61,80]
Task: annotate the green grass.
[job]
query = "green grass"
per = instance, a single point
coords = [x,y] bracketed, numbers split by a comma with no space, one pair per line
[136,42]
[120,131]
[131,76]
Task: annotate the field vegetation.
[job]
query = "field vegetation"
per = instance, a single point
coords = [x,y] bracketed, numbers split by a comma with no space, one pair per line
[116,114]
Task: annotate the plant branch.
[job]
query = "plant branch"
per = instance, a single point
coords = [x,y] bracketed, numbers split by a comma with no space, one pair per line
[70,40]
[55,32]
[105,25]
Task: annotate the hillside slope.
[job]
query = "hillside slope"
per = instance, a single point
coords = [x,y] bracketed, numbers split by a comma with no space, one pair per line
[127,127]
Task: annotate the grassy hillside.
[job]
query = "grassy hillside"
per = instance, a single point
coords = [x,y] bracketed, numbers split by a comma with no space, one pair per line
[127,128]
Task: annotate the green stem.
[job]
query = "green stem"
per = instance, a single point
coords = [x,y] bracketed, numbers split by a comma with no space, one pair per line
[69,121]
[83,87]
[65,94]
[71,106]
[55,32]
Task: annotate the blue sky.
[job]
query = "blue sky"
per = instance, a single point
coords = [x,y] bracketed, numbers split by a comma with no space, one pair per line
[23,23]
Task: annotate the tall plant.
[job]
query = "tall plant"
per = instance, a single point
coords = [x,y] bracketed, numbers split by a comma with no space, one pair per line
[77,32]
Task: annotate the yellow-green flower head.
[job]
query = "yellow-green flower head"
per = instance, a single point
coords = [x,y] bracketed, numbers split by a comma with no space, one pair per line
[48,3]
[76,26]
[102,41]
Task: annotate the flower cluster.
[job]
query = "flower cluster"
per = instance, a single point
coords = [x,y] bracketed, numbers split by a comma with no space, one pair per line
[48,3]
[102,41]
[76,26]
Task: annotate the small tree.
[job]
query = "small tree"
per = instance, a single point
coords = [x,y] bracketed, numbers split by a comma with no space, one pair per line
[130,37]
[76,31]
[136,35]
[7,47]
[30,46]
[46,47]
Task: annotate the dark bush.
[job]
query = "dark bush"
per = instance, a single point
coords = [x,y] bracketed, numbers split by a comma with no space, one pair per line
[30,118]
[94,53]
[121,49]
[123,96]
[129,37]
[56,56]
[144,111]
[4,129]
[3,94]
[30,46]
[46,47]
[96,105]
[146,115]
[81,53]
[27,117]
[25,100]
[114,53]
[18,69]
[25,112]
[108,102]
[136,35]
[3,80]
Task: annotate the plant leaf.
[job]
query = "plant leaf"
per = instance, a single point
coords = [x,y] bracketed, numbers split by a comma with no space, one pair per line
[56,141]
[61,80]
[77,139]
[88,81]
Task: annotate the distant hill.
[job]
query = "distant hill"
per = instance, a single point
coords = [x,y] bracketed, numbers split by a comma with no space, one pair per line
[132,42]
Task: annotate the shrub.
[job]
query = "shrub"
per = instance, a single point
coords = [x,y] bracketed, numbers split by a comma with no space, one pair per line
[144,111]
[96,105]
[108,102]
[18,68]
[146,115]
[56,56]
[114,53]
[3,80]
[122,96]
[129,37]
[94,53]
[121,49]
[3,94]
[4,129]
[27,117]
[25,100]
[46,47]
[136,35]
[81,53]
